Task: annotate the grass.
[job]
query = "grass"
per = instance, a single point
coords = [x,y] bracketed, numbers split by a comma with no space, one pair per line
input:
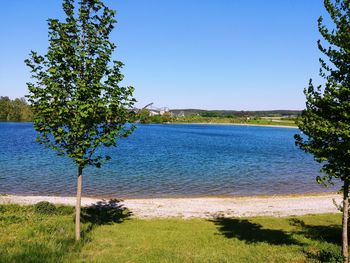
[228,120]
[26,236]
[109,235]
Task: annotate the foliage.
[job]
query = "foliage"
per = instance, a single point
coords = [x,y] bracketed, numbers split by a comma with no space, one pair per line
[326,119]
[212,114]
[238,114]
[167,117]
[144,116]
[64,210]
[332,255]
[75,95]
[45,208]
[284,118]
[14,110]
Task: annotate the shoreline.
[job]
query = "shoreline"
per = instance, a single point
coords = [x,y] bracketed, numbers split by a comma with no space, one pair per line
[199,123]
[107,197]
[231,124]
[205,207]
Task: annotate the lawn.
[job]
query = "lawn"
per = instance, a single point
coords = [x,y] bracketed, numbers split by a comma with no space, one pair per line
[230,120]
[110,235]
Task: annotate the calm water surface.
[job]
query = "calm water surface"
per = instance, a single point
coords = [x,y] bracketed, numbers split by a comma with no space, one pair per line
[165,161]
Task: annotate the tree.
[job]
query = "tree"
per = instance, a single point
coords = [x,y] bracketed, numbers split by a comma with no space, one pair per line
[20,110]
[167,117]
[24,109]
[14,110]
[326,119]
[144,116]
[5,105]
[76,99]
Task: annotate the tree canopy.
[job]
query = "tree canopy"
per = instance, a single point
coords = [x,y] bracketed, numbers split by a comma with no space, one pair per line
[76,98]
[326,119]
[14,110]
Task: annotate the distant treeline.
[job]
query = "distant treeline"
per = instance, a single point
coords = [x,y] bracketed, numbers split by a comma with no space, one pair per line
[145,116]
[275,117]
[233,113]
[14,110]
[19,110]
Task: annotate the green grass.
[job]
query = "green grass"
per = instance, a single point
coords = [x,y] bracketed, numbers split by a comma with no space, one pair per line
[29,236]
[228,120]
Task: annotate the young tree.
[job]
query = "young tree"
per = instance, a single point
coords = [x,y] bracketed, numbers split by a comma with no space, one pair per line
[76,99]
[326,119]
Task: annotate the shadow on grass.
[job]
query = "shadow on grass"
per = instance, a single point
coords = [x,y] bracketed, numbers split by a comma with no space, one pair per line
[249,232]
[105,212]
[327,255]
[329,233]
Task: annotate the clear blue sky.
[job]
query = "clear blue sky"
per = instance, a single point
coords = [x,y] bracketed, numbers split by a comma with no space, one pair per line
[223,54]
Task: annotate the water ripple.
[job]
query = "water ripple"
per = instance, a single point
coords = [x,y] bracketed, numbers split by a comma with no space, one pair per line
[165,161]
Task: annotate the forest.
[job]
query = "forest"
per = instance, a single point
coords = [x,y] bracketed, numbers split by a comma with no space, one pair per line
[14,110]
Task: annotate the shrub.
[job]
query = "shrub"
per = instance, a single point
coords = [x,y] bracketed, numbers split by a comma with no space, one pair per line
[331,255]
[10,219]
[64,210]
[45,208]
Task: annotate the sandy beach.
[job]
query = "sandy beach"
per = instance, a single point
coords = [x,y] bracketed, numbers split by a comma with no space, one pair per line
[205,207]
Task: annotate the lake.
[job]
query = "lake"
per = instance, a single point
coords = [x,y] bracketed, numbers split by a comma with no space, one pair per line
[165,161]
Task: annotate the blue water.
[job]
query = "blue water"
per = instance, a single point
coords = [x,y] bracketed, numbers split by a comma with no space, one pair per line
[165,161]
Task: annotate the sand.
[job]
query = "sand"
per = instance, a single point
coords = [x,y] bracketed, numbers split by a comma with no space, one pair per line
[205,207]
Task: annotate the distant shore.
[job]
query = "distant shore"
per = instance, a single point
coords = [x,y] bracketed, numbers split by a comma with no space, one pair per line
[201,123]
[205,207]
[232,124]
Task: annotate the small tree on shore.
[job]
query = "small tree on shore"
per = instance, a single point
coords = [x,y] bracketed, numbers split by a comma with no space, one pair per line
[326,119]
[76,99]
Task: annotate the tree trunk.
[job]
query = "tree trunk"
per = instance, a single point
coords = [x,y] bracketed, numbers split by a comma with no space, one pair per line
[345,222]
[78,204]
